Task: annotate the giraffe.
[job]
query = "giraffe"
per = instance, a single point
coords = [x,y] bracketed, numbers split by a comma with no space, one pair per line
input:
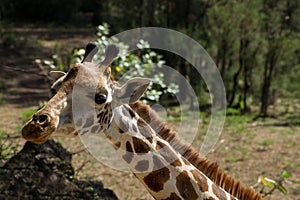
[153,160]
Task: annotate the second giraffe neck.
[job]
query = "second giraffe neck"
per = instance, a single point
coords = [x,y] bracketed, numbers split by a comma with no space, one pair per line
[162,170]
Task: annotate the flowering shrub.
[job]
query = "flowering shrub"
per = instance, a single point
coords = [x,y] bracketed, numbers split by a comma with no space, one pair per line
[145,62]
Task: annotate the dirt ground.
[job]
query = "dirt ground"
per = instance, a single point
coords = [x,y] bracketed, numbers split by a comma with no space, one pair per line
[245,150]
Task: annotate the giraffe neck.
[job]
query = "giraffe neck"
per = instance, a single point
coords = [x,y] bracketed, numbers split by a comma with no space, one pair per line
[211,169]
[163,171]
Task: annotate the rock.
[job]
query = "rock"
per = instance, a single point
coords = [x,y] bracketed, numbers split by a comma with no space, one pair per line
[45,172]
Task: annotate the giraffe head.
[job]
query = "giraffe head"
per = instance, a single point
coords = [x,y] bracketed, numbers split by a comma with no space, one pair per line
[92,83]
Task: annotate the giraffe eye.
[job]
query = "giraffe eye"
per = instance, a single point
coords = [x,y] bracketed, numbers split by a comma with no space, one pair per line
[100,98]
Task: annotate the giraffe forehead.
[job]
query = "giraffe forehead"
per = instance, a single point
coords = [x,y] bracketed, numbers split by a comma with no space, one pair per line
[89,75]
[102,83]
[91,82]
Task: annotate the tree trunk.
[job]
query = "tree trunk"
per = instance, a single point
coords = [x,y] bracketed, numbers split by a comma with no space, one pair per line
[244,43]
[187,13]
[250,62]
[234,86]
[270,62]
[247,78]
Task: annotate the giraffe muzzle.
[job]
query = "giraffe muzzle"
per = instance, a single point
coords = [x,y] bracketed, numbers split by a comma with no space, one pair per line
[38,129]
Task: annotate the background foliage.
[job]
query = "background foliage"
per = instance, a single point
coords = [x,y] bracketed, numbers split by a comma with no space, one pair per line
[255,43]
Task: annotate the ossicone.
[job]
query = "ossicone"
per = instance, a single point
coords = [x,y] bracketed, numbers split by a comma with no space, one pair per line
[111,53]
[90,50]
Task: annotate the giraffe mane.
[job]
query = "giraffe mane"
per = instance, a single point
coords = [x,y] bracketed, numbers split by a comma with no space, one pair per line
[210,169]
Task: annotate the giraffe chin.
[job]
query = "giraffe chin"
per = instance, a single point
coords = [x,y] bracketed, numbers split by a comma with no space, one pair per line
[38,141]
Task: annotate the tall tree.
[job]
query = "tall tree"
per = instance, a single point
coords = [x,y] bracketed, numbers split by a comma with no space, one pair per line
[233,29]
[278,32]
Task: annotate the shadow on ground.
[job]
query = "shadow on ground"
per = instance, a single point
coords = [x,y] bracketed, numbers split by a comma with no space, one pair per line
[45,172]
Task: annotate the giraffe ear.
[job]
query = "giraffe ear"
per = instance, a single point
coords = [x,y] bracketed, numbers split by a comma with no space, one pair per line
[132,90]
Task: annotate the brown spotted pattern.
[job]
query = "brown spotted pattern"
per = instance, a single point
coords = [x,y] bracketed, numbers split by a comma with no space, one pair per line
[218,192]
[144,129]
[168,154]
[123,127]
[157,162]
[132,113]
[140,146]
[95,128]
[142,166]
[210,169]
[201,180]
[185,186]
[156,180]
[117,145]
[128,156]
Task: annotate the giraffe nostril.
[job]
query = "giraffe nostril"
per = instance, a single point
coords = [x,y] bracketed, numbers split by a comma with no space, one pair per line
[34,118]
[43,119]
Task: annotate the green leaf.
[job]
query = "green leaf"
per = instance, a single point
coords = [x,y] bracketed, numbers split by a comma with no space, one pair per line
[286,174]
[271,184]
[282,189]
